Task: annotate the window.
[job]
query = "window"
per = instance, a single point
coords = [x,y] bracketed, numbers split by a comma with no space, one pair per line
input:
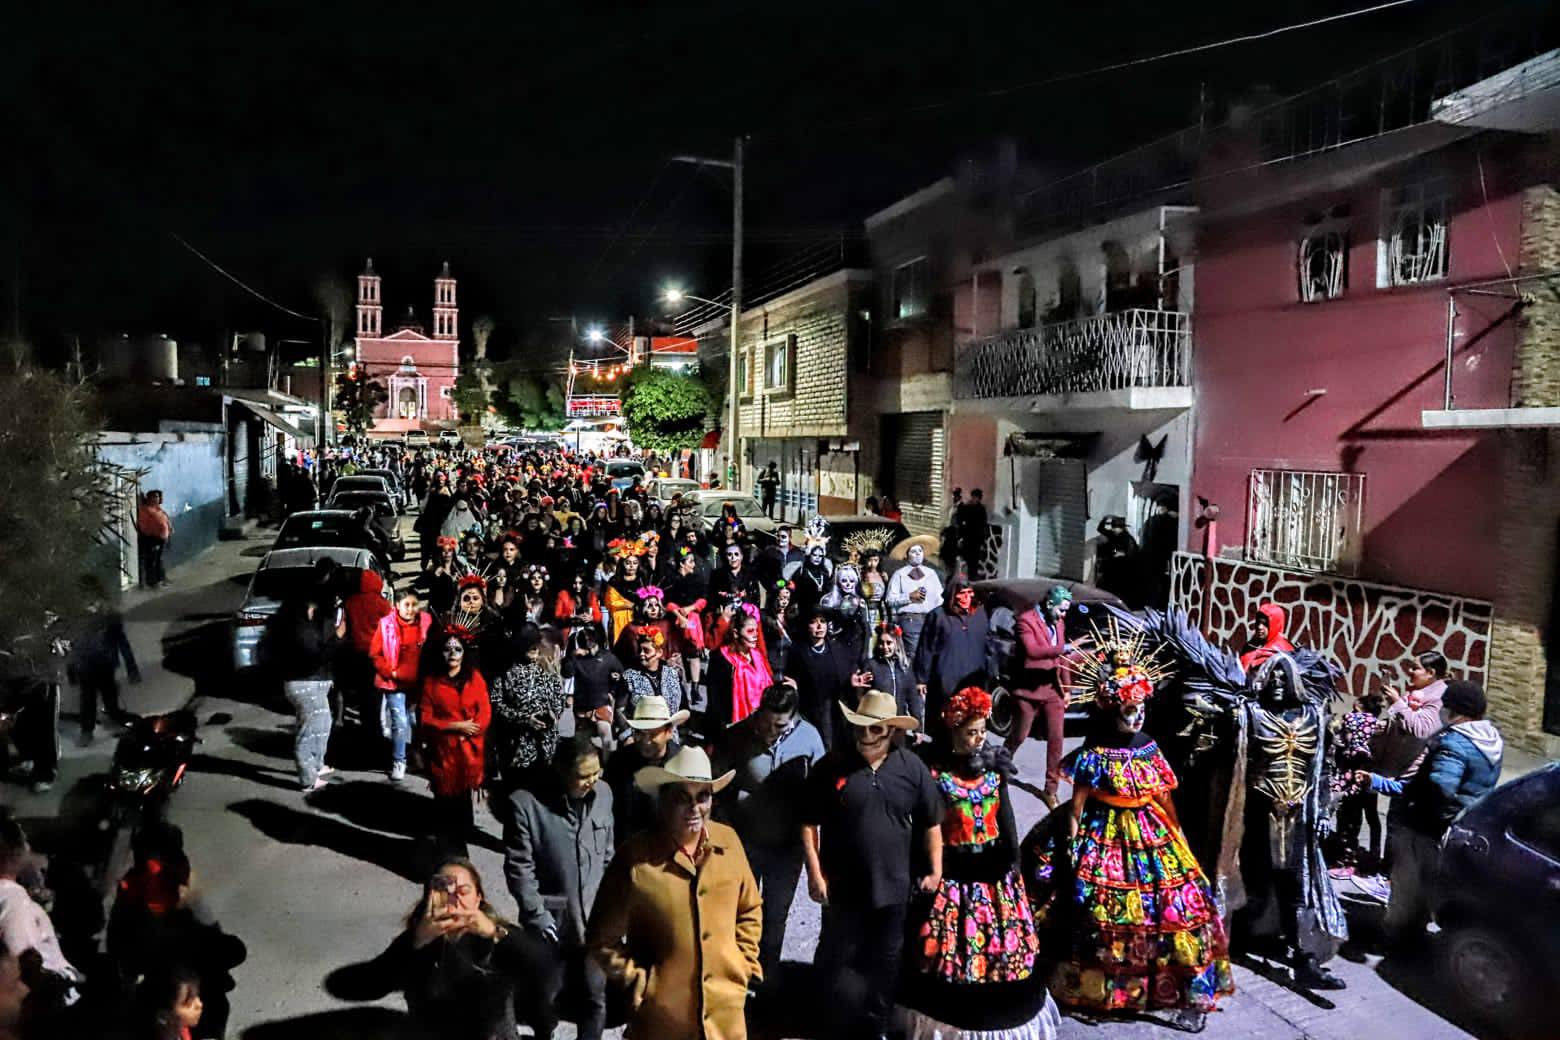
[1412,247]
[202,380]
[1028,300]
[910,290]
[746,365]
[446,392]
[1309,521]
[779,360]
[1324,255]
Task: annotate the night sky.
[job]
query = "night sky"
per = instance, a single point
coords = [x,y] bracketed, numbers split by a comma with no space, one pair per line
[528,145]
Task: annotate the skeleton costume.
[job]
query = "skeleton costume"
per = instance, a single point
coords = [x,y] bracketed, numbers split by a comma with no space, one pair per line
[1266,734]
[849,622]
[812,575]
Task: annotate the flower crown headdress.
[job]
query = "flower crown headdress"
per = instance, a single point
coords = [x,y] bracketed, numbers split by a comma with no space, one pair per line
[649,592]
[1119,669]
[471,581]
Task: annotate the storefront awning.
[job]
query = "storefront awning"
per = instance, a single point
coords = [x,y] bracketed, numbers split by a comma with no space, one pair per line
[271,418]
[711,441]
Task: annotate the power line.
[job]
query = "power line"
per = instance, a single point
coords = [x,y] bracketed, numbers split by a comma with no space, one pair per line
[256,293]
[1065,77]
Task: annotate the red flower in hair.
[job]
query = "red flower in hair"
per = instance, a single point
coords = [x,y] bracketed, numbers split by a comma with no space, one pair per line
[969,703]
[471,581]
[461,632]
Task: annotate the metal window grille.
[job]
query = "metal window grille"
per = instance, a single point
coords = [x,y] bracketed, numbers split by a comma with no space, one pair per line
[1415,234]
[1306,520]
[1322,259]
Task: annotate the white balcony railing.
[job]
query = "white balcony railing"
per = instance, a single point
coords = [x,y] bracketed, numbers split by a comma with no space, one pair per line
[1120,351]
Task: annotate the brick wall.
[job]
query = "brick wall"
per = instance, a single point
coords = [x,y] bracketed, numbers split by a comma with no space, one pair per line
[817,401]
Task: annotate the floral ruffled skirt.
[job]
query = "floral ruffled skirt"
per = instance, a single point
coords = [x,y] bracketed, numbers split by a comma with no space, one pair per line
[979,931]
[1141,928]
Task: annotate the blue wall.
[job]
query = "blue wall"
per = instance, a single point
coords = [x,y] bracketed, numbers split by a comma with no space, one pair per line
[188,469]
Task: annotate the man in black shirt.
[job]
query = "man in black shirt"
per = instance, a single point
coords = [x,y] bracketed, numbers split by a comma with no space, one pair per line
[869,808]
[825,673]
[654,740]
[596,674]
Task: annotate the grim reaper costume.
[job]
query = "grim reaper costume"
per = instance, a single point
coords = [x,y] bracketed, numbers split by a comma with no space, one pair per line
[1264,736]
[814,572]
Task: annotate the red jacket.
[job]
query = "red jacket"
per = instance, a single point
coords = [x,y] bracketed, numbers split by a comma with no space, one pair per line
[454,760]
[396,658]
[364,608]
[1042,653]
[1278,618]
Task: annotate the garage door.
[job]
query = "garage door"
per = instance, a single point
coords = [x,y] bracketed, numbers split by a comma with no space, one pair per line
[1061,506]
[913,467]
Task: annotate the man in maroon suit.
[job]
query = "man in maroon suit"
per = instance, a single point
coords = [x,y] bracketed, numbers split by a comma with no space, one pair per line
[1042,630]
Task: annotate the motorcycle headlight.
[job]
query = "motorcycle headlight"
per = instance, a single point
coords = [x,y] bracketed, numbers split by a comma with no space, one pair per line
[133,780]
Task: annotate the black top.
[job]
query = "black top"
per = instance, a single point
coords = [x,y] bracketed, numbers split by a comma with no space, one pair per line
[872,822]
[899,679]
[822,680]
[593,682]
[632,809]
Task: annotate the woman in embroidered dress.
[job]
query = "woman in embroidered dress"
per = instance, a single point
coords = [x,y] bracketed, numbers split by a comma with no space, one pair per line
[973,965]
[1112,876]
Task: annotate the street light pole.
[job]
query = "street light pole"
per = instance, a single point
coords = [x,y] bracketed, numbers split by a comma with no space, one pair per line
[733,387]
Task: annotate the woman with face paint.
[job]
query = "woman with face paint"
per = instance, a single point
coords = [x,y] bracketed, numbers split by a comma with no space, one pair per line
[1111,876]
[454,716]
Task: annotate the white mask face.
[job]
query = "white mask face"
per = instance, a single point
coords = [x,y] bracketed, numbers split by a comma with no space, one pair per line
[848,580]
[783,540]
[815,555]
[916,555]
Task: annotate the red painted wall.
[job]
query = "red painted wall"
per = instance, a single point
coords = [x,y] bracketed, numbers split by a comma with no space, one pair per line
[1379,354]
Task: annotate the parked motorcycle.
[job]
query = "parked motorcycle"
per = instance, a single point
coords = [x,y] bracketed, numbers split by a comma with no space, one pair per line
[150,762]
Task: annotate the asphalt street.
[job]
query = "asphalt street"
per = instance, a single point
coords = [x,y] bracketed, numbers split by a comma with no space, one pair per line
[313,885]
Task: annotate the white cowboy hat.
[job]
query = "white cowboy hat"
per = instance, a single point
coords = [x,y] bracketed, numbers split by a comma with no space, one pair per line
[652,713]
[877,708]
[689,766]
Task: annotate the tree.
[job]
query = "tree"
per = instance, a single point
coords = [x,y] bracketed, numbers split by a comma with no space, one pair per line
[531,402]
[56,501]
[471,396]
[357,399]
[665,411]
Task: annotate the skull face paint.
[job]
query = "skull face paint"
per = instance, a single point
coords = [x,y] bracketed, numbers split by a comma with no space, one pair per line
[1130,718]
[848,579]
[916,555]
[815,556]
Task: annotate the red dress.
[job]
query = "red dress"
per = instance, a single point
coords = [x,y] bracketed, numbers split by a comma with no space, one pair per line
[454,760]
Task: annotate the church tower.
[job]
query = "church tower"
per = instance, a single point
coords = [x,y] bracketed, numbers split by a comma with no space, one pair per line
[369,309]
[446,316]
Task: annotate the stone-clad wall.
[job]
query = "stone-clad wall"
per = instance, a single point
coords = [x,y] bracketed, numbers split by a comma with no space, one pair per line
[816,401]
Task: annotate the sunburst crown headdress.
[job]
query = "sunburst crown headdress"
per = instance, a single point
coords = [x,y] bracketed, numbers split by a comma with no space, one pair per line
[1118,668]
[861,544]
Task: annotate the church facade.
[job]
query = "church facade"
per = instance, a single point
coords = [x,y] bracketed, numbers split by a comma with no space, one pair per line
[417,369]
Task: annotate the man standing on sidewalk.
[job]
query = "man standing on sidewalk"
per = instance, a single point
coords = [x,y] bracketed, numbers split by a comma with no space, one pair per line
[93,663]
[153,529]
[769,488]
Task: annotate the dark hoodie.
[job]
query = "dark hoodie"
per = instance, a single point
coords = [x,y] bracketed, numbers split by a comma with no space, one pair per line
[1278,618]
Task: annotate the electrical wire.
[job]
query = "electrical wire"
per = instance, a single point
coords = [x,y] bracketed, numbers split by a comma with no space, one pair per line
[1116,66]
[256,293]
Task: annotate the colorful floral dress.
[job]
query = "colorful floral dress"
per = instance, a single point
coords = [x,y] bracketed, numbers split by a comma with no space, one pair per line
[980,928]
[1137,912]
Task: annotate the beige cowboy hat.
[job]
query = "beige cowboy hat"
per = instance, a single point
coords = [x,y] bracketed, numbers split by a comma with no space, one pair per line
[652,713]
[689,766]
[877,708]
[928,542]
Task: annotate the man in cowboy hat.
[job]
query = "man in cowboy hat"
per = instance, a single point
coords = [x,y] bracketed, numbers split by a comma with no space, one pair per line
[678,917]
[870,805]
[652,740]
[772,751]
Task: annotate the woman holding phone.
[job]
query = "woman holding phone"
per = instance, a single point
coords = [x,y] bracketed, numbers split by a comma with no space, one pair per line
[458,964]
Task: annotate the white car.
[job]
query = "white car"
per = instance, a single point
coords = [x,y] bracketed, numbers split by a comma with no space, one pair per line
[284,573]
[748,510]
[450,439]
[663,488]
[418,439]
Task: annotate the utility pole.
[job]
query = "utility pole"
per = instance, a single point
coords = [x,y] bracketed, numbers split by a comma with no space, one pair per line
[732,439]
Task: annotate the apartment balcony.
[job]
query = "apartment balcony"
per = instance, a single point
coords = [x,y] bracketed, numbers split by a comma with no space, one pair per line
[1135,360]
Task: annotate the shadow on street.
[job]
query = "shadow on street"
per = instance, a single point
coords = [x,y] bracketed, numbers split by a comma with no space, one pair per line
[359,1023]
[404,857]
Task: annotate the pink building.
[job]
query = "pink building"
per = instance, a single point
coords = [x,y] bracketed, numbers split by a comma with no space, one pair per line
[1394,498]
[418,370]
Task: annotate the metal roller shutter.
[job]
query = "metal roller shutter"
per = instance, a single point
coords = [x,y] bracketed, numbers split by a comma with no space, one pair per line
[1061,506]
[913,467]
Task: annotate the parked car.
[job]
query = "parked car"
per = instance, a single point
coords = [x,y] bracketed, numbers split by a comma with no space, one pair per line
[285,573]
[362,480]
[418,439]
[450,439]
[1496,897]
[384,514]
[621,472]
[663,488]
[397,492]
[711,502]
[842,529]
[329,527]
[1006,599]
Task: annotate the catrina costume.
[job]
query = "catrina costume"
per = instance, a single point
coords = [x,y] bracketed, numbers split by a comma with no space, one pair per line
[1123,904]
[622,592]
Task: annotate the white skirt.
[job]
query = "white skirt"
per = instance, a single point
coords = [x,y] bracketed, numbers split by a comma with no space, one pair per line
[917,1026]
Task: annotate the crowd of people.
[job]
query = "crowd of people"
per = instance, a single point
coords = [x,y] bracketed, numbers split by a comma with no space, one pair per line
[675,723]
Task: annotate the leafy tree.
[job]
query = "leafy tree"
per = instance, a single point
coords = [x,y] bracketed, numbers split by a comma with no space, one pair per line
[56,500]
[471,396]
[531,402]
[357,398]
[665,411]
